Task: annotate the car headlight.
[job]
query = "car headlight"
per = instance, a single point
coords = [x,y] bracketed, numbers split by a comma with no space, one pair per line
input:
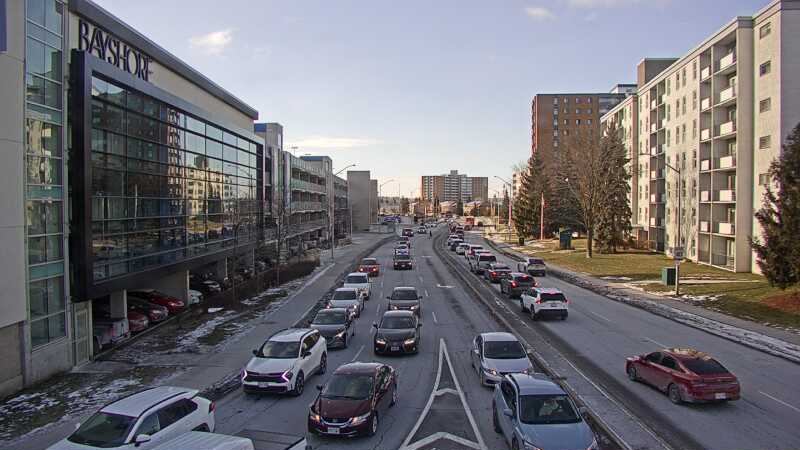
[359,419]
[381,341]
[409,341]
[340,334]
[393,307]
[414,308]
[529,446]
[244,373]
[594,445]
[490,371]
[287,375]
[314,417]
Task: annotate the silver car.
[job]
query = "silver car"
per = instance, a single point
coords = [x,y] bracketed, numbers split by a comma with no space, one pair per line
[533,412]
[496,354]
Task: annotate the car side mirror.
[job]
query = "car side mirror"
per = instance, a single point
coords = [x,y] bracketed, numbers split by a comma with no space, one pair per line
[255,352]
[306,354]
[419,297]
[508,413]
[141,439]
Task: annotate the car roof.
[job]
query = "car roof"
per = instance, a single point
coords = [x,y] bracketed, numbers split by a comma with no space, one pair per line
[332,310]
[361,274]
[345,289]
[369,259]
[290,334]
[404,288]
[686,353]
[535,385]
[138,403]
[519,274]
[498,336]
[499,265]
[397,313]
[358,368]
[549,291]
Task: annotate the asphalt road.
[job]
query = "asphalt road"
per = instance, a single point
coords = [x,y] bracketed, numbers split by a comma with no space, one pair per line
[600,333]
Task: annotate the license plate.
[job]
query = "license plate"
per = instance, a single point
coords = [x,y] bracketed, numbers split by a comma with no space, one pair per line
[395,348]
[720,396]
[263,384]
[332,430]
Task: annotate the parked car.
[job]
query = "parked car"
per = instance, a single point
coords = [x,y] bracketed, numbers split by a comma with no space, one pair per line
[496,354]
[397,332]
[515,283]
[370,266]
[334,325]
[359,281]
[402,262]
[347,298]
[109,331]
[137,322]
[260,266]
[205,286]
[174,305]
[462,248]
[533,412]
[495,272]
[353,400]
[542,302]
[532,266]
[195,297]
[284,361]
[685,375]
[405,298]
[143,420]
[155,313]
[246,273]
[479,262]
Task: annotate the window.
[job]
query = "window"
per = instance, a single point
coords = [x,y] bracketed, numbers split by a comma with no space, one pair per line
[555,101]
[175,412]
[765,68]
[48,310]
[684,76]
[683,105]
[764,142]
[577,111]
[588,121]
[150,425]
[669,363]
[765,30]
[694,101]
[763,179]
[765,105]
[694,70]
[683,133]
[694,128]
[677,80]
[577,121]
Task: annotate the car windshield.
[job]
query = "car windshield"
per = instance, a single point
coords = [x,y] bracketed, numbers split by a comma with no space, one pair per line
[704,366]
[357,387]
[501,267]
[404,294]
[536,261]
[330,318]
[369,262]
[557,297]
[403,257]
[345,295]
[547,409]
[503,350]
[484,258]
[103,430]
[277,349]
[397,323]
[357,279]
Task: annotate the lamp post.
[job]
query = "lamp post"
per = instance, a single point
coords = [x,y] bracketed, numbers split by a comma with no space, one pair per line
[380,186]
[333,211]
[679,247]
[510,203]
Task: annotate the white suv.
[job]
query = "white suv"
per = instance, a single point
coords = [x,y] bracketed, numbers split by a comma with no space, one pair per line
[544,302]
[284,361]
[143,420]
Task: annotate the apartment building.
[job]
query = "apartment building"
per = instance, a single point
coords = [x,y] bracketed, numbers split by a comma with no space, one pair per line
[453,187]
[708,127]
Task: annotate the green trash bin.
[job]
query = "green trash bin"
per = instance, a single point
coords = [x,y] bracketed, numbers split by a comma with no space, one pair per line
[565,240]
[668,276]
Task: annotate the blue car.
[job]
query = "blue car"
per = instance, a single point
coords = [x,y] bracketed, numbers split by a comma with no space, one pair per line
[534,413]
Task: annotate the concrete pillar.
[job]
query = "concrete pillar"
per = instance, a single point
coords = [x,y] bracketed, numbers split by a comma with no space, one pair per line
[119,304]
[176,285]
[221,269]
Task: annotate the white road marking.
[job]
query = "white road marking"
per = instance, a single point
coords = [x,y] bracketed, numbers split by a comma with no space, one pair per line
[357,353]
[426,293]
[443,287]
[656,342]
[780,401]
[601,316]
[434,317]
[420,279]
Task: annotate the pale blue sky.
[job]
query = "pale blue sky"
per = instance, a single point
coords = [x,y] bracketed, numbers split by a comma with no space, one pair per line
[413,87]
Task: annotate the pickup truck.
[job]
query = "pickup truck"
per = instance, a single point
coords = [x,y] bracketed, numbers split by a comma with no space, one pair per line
[360,282]
[532,266]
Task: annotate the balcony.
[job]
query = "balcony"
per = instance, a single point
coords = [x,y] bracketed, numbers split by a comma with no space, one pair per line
[727,95]
[705,73]
[302,185]
[705,165]
[726,228]
[704,226]
[727,128]
[656,150]
[662,123]
[727,61]
[705,196]
[705,104]
[727,162]
[722,260]
[705,134]
[297,206]
[653,104]
[726,195]
[660,99]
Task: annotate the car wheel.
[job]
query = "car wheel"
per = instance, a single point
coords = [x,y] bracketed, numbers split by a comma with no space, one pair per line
[495,423]
[674,393]
[299,385]
[394,395]
[522,305]
[344,341]
[323,364]
[632,375]
[373,428]
[534,316]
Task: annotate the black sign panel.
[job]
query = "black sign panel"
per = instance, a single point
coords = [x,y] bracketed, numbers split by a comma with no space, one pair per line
[3,27]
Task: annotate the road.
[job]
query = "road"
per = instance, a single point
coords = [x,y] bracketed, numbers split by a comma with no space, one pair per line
[600,333]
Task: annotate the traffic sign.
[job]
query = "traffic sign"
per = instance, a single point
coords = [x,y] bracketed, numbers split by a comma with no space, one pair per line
[677,253]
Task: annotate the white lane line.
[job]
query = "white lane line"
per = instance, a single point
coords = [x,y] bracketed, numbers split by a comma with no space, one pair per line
[426,293]
[420,279]
[601,316]
[656,342]
[780,401]
[434,317]
[358,353]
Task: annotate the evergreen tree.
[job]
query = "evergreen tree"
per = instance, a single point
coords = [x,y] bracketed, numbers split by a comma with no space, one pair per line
[614,212]
[534,188]
[779,217]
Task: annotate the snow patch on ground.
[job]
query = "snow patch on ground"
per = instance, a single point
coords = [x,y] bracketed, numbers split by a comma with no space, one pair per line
[612,278]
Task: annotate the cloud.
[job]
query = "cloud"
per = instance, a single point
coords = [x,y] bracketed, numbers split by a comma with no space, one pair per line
[328,142]
[213,43]
[539,13]
[611,3]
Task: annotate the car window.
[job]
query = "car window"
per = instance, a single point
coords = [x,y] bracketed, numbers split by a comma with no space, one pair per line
[346,294]
[484,258]
[703,366]
[349,386]
[357,279]
[174,412]
[278,349]
[103,430]
[150,425]
[479,343]
[327,317]
[404,294]
[654,357]
[554,297]
[508,394]
[523,278]
[369,262]
[308,343]
[397,323]
[669,362]
[503,350]
[547,409]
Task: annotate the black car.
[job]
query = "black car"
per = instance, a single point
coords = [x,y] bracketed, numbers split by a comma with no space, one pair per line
[403,262]
[405,298]
[397,332]
[454,243]
[515,283]
[496,272]
[334,325]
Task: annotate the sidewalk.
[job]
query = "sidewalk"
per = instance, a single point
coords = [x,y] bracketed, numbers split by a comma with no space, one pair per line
[771,340]
[206,356]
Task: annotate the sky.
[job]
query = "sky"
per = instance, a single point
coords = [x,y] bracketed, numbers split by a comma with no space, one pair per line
[419,87]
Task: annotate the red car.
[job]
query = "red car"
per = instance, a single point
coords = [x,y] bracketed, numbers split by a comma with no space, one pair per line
[137,322]
[173,305]
[155,313]
[370,266]
[353,400]
[686,375]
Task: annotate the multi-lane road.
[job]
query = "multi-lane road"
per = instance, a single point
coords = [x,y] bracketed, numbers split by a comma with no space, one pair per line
[593,341]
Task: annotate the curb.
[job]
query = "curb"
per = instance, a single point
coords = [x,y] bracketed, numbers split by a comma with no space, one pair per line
[752,339]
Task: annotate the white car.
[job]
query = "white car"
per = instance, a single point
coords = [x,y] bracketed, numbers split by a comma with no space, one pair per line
[532,266]
[462,248]
[544,302]
[284,361]
[402,250]
[349,299]
[480,261]
[142,420]
[496,354]
[359,281]
[195,297]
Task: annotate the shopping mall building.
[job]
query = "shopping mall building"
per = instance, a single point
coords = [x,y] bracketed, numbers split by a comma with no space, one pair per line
[121,168]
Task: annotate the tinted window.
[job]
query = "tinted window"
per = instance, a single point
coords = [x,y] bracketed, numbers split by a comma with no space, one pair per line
[654,357]
[702,366]
[348,386]
[536,261]
[275,349]
[503,350]
[669,362]
[175,412]
[490,258]
[357,279]
[404,294]
[344,295]
[329,317]
[103,430]
[369,262]
[508,395]
[403,257]
[558,297]
[501,267]
[523,278]
[397,323]
[547,409]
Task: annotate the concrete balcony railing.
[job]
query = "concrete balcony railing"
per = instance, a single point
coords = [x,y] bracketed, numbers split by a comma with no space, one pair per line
[705,104]
[727,94]
[662,123]
[656,149]
[653,104]
[656,174]
[704,226]
[306,185]
[726,228]
[705,165]
[726,195]
[661,99]
[307,206]
[727,128]
[705,134]
[705,196]
[727,61]
[727,162]
[705,73]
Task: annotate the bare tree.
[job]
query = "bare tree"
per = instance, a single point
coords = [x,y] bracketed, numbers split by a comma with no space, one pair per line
[582,164]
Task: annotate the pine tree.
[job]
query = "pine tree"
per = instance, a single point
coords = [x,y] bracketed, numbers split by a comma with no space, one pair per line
[614,213]
[779,217]
[534,188]
[523,206]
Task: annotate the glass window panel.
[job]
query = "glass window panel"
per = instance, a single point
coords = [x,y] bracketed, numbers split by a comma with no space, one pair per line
[213,148]
[242,144]
[35,10]
[143,104]
[52,63]
[103,160]
[37,292]
[99,87]
[34,57]
[53,11]
[43,35]
[242,157]
[143,127]
[195,125]
[116,208]
[43,139]
[37,250]
[114,94]
[213,132]
[39,332]
[215,227]
[46,270]
[107,116]
[229,138]
[34,89]
[43,113]
[42,170]
[196,230]
[57,326]
[36,218]
[172,136]
[53,216]
[54,247]
[195,143]
[108,182]
[214,165]
[229,154]
[55,295]
[107,142]
[52,94]
[143,150]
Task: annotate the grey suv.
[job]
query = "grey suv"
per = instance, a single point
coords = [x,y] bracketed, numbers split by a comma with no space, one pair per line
[531,411]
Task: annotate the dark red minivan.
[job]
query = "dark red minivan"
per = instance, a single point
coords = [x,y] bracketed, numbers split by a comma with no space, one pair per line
[353,400]
[685,374]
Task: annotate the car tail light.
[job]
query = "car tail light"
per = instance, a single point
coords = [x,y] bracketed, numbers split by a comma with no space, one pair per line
[493,273]
[566,300]
[212,407]
[538,302]
[513,284]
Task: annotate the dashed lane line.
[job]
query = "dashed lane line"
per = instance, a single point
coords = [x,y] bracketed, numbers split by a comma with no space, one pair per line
[358,353]
[656,342]
[434,317]
[796,409]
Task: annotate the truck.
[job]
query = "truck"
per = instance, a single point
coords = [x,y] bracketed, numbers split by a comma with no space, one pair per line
[532,266]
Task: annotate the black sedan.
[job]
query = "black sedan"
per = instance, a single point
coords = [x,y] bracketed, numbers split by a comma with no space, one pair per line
[397,332]
[334,325]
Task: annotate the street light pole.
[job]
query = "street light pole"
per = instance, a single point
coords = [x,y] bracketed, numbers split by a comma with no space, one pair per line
[679,192]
